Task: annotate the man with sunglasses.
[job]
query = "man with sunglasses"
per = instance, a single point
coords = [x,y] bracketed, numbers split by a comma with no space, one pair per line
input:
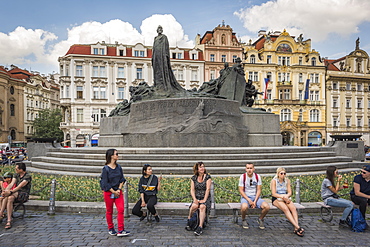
[360,193]
[250,188]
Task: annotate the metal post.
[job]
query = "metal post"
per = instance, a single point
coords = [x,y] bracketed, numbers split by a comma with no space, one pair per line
[213,203]
[125,192]
[52,197]
[298,195]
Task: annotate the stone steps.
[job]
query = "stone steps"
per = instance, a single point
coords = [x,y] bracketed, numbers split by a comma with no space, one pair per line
[179,161]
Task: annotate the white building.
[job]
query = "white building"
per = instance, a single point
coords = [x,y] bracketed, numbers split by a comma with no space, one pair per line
[94,78]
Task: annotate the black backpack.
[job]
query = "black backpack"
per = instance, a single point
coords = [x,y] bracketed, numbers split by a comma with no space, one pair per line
[193,221]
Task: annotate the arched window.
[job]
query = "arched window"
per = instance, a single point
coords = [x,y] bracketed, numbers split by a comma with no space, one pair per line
[12,134]
[313,61]
[285,115]
[12,110]
[284,48]
[314,115]
[253,59]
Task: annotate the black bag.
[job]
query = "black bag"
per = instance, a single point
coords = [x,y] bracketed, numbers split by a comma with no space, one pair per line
[193,221]
[22,197]
[335,196]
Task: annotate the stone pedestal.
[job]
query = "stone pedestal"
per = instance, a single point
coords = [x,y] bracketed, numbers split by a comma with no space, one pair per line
[189,122]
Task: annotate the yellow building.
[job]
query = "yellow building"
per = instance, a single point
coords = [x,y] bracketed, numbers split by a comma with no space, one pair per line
[296,85]
[347,94]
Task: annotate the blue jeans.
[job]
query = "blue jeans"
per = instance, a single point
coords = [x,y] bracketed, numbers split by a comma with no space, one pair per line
[343,203]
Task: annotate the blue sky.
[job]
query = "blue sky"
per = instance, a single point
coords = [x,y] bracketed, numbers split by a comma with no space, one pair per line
[33,34]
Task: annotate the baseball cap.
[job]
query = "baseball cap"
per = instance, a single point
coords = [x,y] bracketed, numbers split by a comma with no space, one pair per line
[366,168]
[8,175]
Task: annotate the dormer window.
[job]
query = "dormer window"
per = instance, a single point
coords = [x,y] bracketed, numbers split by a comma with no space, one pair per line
[98,49]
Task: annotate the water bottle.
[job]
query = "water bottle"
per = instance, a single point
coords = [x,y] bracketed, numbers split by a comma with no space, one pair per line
[112,196]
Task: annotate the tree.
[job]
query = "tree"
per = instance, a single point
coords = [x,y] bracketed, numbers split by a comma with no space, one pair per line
[46,125]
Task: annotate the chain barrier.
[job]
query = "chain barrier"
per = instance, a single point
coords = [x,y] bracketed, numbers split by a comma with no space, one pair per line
[74,194]
[38,191]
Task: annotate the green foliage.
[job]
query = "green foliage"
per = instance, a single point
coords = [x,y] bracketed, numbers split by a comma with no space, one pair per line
[46,125]
[173,189]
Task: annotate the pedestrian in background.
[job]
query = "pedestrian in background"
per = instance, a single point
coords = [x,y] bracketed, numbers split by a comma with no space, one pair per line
[112,182]
[149,185]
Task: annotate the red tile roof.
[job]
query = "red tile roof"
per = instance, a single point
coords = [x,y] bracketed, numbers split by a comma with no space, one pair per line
[79,49]
[18,73]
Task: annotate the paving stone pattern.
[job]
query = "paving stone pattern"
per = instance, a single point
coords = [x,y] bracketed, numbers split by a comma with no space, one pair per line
[67,229]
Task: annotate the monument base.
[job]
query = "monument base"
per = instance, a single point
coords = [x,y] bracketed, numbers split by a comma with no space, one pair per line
[189,122]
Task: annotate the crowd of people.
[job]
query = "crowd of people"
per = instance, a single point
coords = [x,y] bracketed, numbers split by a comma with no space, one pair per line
[250,189]
[12,156]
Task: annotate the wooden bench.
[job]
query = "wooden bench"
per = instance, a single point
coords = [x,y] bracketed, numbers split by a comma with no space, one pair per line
[235,206]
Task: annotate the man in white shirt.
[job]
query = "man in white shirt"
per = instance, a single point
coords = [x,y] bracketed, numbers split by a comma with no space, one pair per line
[250,188]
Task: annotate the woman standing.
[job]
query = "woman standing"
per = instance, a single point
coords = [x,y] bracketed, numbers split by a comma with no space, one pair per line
[149,185]
[200,187]
[281,193]
[112,183]
[329,194]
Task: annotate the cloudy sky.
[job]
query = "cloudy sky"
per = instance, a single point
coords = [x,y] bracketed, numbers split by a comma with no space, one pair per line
[34,33]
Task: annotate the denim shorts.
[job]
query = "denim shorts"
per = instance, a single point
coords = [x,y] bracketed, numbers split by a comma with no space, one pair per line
[259,201]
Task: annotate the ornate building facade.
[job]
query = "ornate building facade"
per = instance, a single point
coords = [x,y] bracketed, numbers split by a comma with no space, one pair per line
[347,94]
[296,85]
[94,78]
[219,46]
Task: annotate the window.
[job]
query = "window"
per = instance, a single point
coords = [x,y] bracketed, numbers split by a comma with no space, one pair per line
[314,115]
[335,85]
[136,53]
[250,75]
[317,78]
[359,122]
[285,115]
[67,70]
[95,71]
[98,71]
[212,57]
[121,93]
[348,122]
[12,110]
[300,78]
[285,61]
[269,94]
[98,114]
[101,51]
[95,92]
[99,92]
[359,103]
[223,58]
[102,71]
[348,103]
[194,75]
[12,134]
[212,75]
[67,94]
[317,95]
[103,92]
[234,58]
[300,116]
[78,70]
[269,76]
[194,56]
[300,94]
[180,74]
[313,61]
[252,59]
[359,87]
[335,103]
[121,72]
[142,53]
[300,61]
[335,121]
[179,55]
[96,51]
[255,76]
[348,86]
[139,53]
[79,93]
[61,70]
[80,115]
[139,73]
[268,59]
[121,53]
[284,94]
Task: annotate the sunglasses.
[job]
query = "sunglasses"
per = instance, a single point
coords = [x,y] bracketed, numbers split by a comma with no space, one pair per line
[282,173]
[116,154]
[250,182]
[364,172]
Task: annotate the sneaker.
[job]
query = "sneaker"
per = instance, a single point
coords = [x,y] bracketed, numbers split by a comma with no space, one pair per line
[123,233]
[198,231]
[343,223]
[142,217]
[112,232]
[157,218]
[261,224]
[187,227]
[245,224]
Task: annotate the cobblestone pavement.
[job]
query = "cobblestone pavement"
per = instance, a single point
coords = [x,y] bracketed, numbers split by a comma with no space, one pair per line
[65,229]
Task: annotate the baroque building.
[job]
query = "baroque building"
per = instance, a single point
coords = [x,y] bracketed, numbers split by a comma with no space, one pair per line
[94,78]
[347,94]
[24,95]
[219,46]
[295,78]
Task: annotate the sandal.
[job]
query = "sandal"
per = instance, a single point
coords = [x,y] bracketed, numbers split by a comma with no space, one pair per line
[299,232]
[8,224]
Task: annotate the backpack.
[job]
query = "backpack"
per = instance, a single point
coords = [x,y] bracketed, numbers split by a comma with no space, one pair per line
[194,221]
[358,222]
[245,177]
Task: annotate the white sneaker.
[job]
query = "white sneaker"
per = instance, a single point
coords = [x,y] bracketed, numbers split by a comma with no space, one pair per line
[261,223]
[245,224]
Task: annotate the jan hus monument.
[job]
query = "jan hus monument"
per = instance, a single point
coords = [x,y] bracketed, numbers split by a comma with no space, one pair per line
[218,114]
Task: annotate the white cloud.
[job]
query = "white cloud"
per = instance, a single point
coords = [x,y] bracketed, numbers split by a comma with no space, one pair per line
[26,47]
[315,19]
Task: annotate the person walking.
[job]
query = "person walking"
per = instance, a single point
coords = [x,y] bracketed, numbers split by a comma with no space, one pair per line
[281,193]
[112,180]
[329,190]
[149,185]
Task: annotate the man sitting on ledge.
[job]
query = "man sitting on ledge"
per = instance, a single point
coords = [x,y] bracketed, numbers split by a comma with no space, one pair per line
[19,194]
